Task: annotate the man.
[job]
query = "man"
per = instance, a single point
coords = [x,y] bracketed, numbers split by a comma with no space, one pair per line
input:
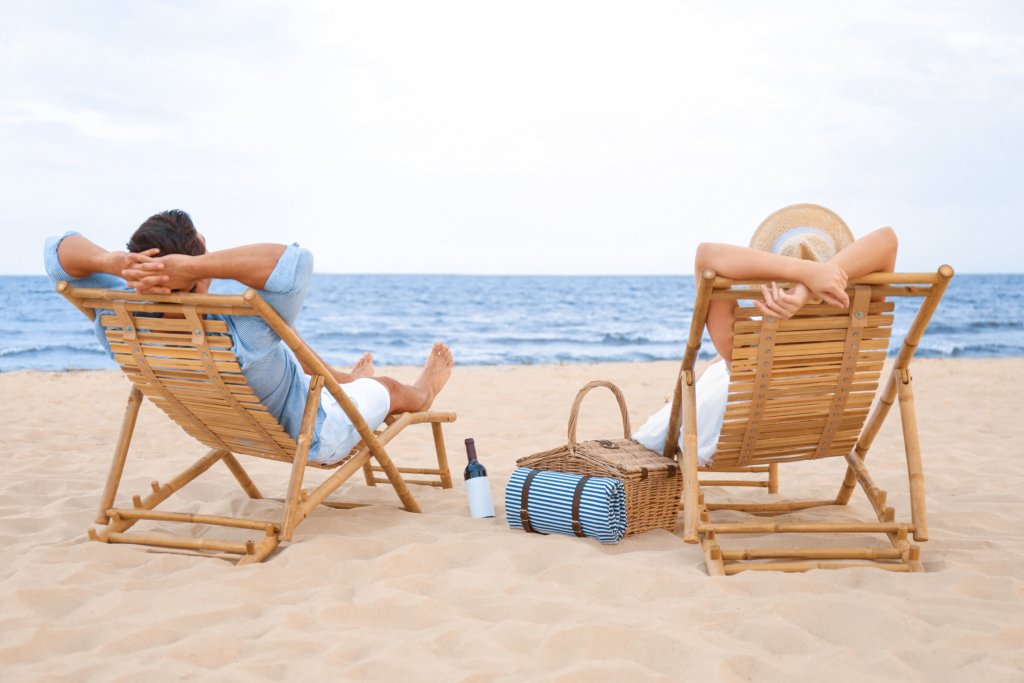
[167,254]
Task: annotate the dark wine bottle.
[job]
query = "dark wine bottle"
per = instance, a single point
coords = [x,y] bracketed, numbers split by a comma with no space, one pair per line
[478,490]
[474,468]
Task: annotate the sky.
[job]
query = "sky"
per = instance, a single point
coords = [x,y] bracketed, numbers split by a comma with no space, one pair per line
[520,137]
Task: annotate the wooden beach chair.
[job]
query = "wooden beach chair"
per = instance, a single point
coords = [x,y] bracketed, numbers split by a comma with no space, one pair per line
[802,389]
[182,361]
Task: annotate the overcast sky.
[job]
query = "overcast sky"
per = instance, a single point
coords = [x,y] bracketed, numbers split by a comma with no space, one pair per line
[513,137]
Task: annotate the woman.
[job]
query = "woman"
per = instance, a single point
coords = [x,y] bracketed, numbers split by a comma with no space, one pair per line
[804,244]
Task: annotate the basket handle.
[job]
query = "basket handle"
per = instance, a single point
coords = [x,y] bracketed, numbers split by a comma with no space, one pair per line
[575,412]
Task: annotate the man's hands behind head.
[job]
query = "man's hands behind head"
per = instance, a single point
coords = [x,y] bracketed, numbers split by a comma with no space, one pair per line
[147,273]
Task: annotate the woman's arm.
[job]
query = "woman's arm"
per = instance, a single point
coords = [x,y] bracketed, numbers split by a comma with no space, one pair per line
[827,280]
[875,252]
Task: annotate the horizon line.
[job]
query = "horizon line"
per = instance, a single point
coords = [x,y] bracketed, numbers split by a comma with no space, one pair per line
[441,274]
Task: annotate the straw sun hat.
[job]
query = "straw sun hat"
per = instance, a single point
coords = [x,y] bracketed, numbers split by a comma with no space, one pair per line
[805,231]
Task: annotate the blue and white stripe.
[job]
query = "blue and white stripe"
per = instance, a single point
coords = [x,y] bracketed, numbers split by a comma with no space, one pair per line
[602,504]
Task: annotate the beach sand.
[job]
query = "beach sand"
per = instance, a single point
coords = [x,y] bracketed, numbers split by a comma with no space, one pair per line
[379,594]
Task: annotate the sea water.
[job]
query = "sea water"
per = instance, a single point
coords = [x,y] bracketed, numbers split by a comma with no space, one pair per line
[498,320]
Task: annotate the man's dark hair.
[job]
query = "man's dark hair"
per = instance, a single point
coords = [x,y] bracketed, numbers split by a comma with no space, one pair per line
[172,232]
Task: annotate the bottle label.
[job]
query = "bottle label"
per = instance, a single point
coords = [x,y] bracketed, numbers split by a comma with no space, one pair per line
[479,493]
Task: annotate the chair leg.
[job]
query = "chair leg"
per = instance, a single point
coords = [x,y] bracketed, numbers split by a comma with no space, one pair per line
[912,445]
[260,551]
[160,494]
[371,480]
[773,477]
[442,455]
[394,477]
[292,515]
[691,490]
[691,485]
[867,436]
[242,476]
[442,471]
[124,439]
[713,559]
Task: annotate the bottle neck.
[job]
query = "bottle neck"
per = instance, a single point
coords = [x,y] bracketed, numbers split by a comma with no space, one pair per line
[471,450]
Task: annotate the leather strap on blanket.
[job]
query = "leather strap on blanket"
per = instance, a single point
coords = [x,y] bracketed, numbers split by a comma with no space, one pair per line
[524,504]
[577,525]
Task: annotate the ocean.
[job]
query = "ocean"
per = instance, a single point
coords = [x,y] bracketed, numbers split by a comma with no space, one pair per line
[503,320]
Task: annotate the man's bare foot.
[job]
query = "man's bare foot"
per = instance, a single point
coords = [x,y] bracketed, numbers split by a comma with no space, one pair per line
[363,367]
[436,372]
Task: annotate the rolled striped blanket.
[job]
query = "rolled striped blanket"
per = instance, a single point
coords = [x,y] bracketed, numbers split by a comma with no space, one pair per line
[550,502]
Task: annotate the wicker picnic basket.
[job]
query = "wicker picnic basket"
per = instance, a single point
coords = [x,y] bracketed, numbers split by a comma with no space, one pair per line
[653,482]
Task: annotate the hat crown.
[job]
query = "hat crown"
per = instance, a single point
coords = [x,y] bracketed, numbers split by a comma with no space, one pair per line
[806,231]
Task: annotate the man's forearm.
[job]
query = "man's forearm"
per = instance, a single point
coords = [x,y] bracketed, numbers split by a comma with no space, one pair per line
[79,257]
[251,264]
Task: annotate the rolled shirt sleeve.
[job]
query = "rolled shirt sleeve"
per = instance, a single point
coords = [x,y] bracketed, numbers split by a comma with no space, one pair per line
[55,270]
[285,290]
[287,285]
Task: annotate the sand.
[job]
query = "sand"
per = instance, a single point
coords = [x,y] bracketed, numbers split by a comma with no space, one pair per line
[378,594]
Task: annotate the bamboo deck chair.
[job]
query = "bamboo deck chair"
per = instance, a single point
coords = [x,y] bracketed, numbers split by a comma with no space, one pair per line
[802,389]
[183,362]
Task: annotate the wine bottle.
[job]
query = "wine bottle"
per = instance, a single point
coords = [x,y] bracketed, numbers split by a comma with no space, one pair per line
[478,490]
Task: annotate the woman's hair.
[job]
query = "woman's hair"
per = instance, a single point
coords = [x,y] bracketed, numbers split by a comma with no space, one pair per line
[172,232]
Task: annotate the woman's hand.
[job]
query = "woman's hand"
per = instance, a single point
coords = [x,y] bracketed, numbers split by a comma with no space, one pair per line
[827,281]
[782,303]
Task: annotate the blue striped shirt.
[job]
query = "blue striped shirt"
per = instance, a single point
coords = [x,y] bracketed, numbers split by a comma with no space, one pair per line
[268,364]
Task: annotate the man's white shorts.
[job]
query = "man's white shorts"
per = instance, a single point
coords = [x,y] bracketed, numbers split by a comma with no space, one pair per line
[338,435]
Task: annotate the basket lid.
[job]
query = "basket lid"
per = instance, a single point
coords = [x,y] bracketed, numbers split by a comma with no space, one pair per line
[628,457]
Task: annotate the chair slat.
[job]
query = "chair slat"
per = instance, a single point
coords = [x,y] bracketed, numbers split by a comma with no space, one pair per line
[781,402]
[177,363]
[241,392]
[801,390]
[184,352]
[748,325]
[166,338]
[812,335]
[792,368]
[819,311]
[810,350]
[236,380]
[173,309]
[166,324]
